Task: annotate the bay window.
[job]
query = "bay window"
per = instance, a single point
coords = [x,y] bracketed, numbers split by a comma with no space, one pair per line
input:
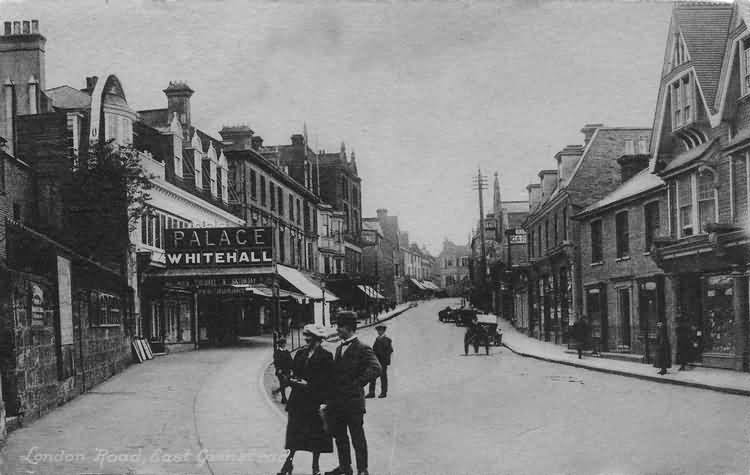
[706,198]
[685,205]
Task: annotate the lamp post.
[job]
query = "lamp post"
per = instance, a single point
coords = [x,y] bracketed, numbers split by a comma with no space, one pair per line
[323,304]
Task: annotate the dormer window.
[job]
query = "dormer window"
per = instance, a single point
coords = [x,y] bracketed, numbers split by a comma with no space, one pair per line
[679,53]
[177,148]
[682,102]
[629,147]
[643,145]
[746,66]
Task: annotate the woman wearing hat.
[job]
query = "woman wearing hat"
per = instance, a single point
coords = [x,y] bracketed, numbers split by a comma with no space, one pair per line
[310,383]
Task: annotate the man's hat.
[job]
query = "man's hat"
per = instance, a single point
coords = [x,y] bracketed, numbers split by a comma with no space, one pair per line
[347,318]
[315,330]
[281,341]
[380,327]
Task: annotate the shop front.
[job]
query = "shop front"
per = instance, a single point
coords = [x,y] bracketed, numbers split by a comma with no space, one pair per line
[709,278]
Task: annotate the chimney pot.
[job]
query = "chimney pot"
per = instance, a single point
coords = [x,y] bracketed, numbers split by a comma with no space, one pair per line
[8,28]
[35,26]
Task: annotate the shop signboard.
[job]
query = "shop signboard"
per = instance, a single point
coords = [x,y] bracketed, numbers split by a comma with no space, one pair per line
[219,247]
[517,236]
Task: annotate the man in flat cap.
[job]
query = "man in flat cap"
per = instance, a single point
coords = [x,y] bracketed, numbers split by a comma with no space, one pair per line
[383,348]
[354,366]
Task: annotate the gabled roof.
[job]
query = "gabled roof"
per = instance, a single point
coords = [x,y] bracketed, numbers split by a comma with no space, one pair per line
[640,183]
[67,97]
[705,28]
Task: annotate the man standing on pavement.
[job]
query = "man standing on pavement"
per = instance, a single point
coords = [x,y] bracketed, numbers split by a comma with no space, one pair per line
[580,333]
[383,347]
[355,365]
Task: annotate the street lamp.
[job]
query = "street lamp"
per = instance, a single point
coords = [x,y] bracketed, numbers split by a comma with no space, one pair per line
[323,304]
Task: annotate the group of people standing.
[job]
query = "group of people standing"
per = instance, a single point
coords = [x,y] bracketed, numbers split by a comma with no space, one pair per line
[688,343]
[327,400]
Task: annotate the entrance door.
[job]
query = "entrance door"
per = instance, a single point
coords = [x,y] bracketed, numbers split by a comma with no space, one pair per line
[596,306]
[623,299]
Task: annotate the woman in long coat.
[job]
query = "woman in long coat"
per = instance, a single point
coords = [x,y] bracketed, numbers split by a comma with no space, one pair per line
[663,359]
[310,381]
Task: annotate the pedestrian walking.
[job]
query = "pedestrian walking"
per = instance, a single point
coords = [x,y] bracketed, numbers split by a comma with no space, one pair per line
[580,334]
[684,343]
[663,358]
[383,348]
[310,381]
[282,363]
[354,366]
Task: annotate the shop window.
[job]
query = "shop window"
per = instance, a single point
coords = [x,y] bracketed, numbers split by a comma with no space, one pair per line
[596,241]
[622,234]
[718,314]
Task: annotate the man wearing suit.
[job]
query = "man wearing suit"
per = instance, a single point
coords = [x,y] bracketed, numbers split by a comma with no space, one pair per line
[383,348]
[354,366]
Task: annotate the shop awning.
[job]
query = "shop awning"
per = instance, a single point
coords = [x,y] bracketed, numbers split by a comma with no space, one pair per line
[304,284]
[429,285]
[370,292]
[211,272]
[417,284]
[265,291]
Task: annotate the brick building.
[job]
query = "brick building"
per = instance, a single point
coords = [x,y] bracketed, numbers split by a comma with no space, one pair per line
[390,266]
[624,291]
[701,148]
[584,174]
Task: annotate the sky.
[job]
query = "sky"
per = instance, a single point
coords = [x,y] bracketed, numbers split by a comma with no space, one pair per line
[424,92]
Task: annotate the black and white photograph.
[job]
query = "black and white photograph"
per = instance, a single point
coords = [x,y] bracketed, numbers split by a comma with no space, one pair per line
[374,237]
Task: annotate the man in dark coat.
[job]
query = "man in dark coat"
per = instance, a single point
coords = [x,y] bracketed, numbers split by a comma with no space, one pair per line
[475,335]
[684,343]
[283,364]
[580,333]
[383,348]
[663,358]
[355,365]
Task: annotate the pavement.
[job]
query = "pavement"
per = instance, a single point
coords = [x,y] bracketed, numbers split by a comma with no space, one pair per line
[209,412]
[727,381]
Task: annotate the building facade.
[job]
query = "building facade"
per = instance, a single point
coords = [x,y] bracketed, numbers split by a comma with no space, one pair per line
[701,149]
[584,174]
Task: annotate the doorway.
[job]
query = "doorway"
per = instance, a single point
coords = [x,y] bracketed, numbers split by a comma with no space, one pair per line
[623,305]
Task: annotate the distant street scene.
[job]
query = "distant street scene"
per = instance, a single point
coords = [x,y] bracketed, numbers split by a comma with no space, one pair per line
[387,238]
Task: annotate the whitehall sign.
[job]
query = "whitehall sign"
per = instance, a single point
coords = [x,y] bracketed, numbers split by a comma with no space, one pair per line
[219,247]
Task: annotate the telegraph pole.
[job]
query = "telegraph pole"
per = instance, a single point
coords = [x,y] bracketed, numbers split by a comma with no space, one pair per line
[480,184]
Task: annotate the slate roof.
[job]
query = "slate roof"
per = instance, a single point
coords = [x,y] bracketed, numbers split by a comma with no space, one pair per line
[705,29]
[67,97]
[687,157]
[642,182]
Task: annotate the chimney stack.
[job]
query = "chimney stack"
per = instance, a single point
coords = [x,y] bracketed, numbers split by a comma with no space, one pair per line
[178,100]
[237,137]
[567,159]
[548,180]
[91,83]
[382,213]
[631,165]
[298,140]
[588,132]
[257,142]
[22,57]
[535,195]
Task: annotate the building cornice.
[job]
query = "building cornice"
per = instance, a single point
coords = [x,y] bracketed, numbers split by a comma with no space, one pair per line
[186,197]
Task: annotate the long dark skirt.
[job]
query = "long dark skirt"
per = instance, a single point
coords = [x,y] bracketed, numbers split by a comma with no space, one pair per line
[304,430]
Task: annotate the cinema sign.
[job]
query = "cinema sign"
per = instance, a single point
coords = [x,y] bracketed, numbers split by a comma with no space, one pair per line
[218,247]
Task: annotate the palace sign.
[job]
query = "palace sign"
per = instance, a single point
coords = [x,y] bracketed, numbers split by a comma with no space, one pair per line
[218,247]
